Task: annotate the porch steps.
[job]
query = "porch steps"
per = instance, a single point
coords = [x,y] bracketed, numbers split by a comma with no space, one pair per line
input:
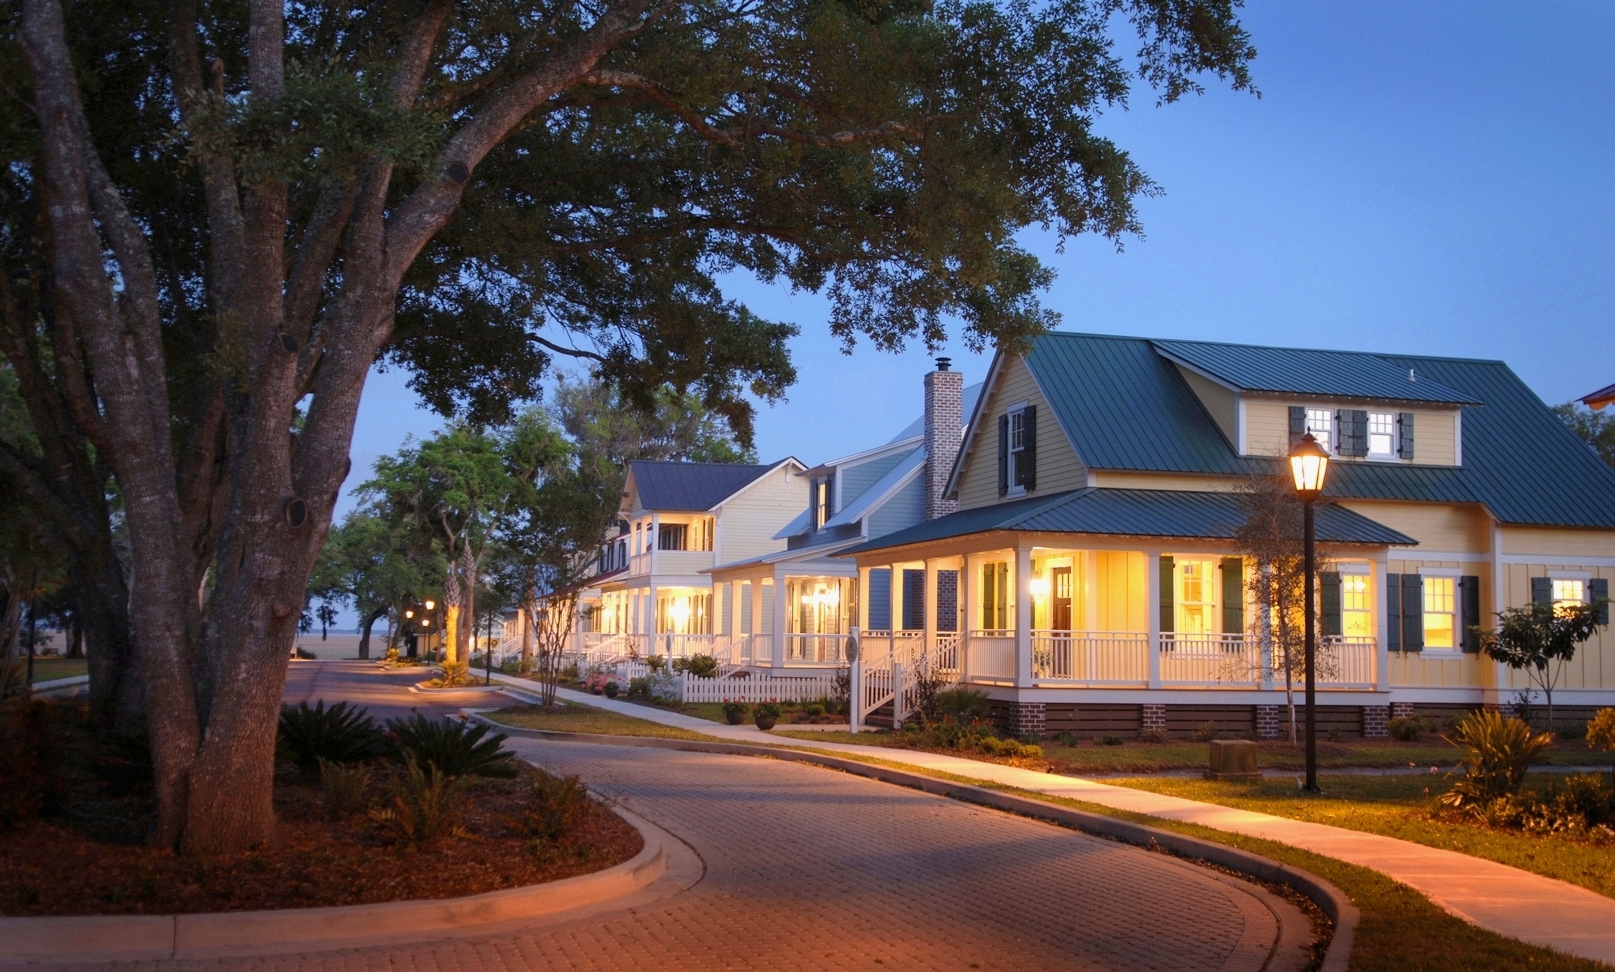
[881,718]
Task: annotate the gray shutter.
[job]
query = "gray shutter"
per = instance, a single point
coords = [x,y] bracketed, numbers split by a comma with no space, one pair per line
[1404,429]
[1298,423]
[1329,602]
[1542,591]
[1354,428]
[1169,617]
[1233,595]
[1003,455]
[1026,468]
[880,599]
[1412,612]
[1393,612]
[1598,594]
[1469,606]
[913,600]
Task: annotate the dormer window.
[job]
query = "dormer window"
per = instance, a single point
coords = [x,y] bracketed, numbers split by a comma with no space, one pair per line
[821,503]
[1320,423]
[1355,433]
[1017,450]
[1382,435]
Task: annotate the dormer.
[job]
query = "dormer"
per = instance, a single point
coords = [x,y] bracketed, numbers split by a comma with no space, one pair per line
[1361,407]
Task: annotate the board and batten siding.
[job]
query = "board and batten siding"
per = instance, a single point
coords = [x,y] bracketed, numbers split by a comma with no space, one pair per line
[1220,402]
[1445,527]
[905,508]
[855,480]
[1551,542]
[748,521]
[1593,666]
[1435,432]
[1058,468]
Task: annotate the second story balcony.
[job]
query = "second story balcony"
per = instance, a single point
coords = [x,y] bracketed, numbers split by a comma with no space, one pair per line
[675,562]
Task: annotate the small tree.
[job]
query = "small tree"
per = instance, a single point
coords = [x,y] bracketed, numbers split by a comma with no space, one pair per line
[1538,639]
[1270,539]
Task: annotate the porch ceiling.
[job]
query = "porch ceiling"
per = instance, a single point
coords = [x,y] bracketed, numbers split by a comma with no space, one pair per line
[1130,512]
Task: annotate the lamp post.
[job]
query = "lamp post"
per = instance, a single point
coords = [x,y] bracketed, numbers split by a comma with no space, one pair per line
[1309,463]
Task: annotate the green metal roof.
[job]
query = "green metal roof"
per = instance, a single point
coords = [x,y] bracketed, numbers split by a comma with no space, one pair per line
[1130,512]
[1126,407]
[1307,371]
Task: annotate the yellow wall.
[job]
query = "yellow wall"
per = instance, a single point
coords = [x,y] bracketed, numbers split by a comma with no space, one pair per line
[1443,527]
[1219,401]
[1058,468]
[1551,542]
[1121,591]
[1435,433]
[1594,664]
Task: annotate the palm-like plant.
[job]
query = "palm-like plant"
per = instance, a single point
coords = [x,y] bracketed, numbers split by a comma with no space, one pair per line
[456,748]
[1500,752]
[340,734]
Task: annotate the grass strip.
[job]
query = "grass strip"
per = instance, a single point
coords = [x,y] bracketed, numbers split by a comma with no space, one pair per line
[565,717]
[50,669]
[1398,806]
[1401,930]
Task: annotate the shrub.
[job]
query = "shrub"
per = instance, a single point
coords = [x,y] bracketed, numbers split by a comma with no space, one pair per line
[612,690]
[305,654]
[390,655]
[454,674]
[639,688]
[13,681]
[1146,735]
[962,704]
[31,778]
[657,664]
[426,808]
[344,787]
[456,748]
[1601,734]
[1405,728]
[1113,740]
[340,734]
[1067,738]
[1500,751]
[701,666]
[814,709]
[1205,732]
[556,805]
[569,672]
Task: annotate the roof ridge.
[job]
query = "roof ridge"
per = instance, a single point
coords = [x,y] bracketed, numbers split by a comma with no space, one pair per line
[1271,347]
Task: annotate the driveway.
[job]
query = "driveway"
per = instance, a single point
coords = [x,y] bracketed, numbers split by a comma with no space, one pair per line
[809,868]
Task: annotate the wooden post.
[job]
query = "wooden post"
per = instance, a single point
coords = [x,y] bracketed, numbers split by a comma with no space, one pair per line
[1152,613]
[1023,614]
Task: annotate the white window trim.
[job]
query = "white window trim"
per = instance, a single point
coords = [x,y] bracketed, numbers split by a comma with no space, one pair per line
[1581,575]
[1396,432]
[1441,572]
[1456,574]
[1355,569]
[1014,488]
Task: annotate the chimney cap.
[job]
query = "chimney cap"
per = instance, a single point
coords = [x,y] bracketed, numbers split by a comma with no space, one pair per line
[942,364]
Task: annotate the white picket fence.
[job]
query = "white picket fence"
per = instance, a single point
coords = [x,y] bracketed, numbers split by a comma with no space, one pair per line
[757,688]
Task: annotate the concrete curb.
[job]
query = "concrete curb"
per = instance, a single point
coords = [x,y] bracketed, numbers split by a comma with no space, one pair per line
[1330,899]
[243,933]
[59,686]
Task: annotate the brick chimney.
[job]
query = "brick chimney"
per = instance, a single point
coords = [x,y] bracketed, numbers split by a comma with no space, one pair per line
[944,419]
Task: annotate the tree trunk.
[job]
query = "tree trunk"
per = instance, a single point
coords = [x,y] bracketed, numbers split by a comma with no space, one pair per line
[527,639]
[364,632]
[13,624]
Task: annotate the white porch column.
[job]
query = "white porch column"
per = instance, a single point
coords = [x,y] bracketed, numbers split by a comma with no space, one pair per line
[1382,650]
[863,600]
[650,619]
[655,539]
[1090,590]
[967,614]
[928,618]
[1152,608]
[1023,613]
[781,619]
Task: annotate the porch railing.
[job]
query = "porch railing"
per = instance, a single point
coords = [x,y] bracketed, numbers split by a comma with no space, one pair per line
[1210,658]
[815,649]
[990,656]
[1091,657]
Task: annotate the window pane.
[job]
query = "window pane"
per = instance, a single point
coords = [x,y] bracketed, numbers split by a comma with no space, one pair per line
[1319,423]
[1196,597]
[1438,612]
[1381,433]
[1356,611]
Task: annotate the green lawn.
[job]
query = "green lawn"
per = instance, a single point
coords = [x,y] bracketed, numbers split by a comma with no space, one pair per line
[583,718]
[48,669]
[1398,806]
[1401,930]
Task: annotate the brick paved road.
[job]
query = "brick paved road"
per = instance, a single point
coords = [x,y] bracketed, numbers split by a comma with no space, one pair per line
[809,868]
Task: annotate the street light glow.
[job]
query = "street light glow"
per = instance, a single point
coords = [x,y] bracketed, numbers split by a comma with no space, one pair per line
[1309,464]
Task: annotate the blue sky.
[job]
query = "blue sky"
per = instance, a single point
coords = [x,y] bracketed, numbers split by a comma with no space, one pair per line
[1424,178]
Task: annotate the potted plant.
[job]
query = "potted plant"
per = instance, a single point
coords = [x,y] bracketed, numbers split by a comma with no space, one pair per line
[611,690]
[766,715]
[735,712]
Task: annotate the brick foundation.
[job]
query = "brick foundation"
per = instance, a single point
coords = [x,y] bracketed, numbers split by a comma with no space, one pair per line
[1027,719]
[1269,721]
[1154,716]
[1401,710]
[1374,719]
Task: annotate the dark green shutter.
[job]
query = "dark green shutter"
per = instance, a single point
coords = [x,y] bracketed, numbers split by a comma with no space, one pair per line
[1329,602]
[1003,455]
[1026,466]
[1469,596]
[1233,595]
[1168,615]
[1404,428]
[1598,594]
[1393,612]
[1412,612]
[1298,423]
[1542,591]
[1353,432]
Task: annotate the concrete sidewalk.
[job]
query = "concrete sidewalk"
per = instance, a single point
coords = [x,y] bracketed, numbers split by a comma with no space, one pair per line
[1494,896]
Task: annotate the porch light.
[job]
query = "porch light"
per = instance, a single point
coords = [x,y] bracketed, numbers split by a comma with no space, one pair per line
[1309,463]
[1039,586]
[679,611]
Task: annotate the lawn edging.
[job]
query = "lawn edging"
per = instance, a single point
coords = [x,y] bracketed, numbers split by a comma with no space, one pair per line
[87,938]
[1330,899]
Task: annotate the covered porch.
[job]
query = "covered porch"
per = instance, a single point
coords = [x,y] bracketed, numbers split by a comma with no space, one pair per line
[793,609]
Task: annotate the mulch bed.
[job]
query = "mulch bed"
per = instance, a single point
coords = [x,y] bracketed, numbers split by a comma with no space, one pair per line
[86,857]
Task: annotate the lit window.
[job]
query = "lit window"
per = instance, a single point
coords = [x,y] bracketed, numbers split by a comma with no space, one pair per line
[1017,449]
[1197,605]
[1356,611]
[1319,423]
[1440,612]
[821,502]
[1568,593]
[1382,434]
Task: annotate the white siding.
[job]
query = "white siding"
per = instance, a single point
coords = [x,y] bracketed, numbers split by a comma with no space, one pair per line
[747,522]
